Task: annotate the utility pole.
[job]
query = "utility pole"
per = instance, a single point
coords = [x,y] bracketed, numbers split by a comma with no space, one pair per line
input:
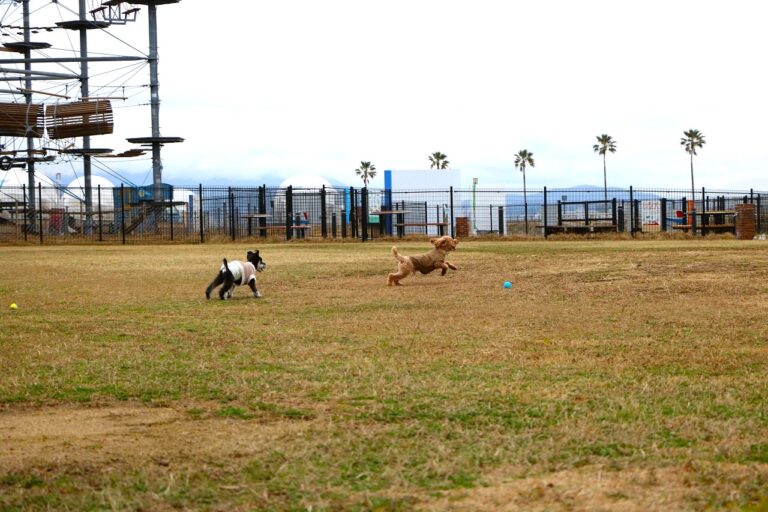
[31,201]
[156,140]
[84,92]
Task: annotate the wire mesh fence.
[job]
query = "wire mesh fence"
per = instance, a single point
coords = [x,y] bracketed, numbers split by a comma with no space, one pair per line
[199,214]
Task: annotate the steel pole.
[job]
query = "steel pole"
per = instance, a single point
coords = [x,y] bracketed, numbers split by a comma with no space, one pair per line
[84,92]
[28,100]
[154,89]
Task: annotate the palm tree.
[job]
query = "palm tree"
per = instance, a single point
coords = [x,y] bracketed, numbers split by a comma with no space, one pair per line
[522,159]
[367,171]
[438,161]
[693,139]
[605,143]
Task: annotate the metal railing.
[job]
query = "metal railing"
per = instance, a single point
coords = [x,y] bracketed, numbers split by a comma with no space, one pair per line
[198,214]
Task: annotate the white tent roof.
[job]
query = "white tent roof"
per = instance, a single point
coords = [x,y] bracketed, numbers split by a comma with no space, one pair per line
[17,177]
[13,181]
[76,192]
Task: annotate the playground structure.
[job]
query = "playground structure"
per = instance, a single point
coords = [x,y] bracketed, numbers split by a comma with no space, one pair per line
[40,121]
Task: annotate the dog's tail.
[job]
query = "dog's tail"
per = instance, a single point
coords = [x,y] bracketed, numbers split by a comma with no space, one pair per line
[226,267]
[397,255]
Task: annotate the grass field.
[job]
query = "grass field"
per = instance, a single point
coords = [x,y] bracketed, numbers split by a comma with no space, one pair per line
[614,375]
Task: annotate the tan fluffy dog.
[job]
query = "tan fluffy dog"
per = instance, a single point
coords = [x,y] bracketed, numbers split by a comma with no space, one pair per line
[424,263]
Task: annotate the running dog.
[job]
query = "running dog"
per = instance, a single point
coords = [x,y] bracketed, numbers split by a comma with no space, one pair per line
[237,273]
[424,263]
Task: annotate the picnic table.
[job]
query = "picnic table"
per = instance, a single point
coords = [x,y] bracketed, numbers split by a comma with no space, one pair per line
[399,220]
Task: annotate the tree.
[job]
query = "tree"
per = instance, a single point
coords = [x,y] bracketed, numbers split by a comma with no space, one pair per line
[693,139]
[523,159]
[367,171]
[605,143]
[438,160]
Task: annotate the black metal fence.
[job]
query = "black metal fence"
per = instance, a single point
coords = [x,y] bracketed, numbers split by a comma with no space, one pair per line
[199,214]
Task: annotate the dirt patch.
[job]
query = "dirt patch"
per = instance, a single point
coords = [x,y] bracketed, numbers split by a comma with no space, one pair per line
[134,434]
[595,488]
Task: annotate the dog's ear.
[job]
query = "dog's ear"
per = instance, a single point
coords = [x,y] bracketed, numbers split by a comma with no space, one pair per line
[434,241]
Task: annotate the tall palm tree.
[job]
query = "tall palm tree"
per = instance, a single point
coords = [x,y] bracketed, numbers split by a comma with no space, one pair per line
[524,158]
[605,143]
[438,160]
[367,171]
[693,139]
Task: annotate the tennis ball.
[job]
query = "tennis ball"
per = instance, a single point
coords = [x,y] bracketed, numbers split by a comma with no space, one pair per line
[507,284]
[14,306]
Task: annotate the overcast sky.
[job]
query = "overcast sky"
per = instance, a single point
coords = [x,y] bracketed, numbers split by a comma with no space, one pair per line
[265,90]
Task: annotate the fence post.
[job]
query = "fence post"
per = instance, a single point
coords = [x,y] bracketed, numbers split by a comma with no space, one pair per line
[343,224]
[202,220]
[490,216]
[364,213]
[231,201]
[170,209]
[98,196]
[559,212]
[263,210]
[40,209]
[545,212]
[692,213]
[189,222]
[620,217]
[288,212]
[25,226]
[501,221]
[453,231]
[323,214]
[663,212]
[636,212]
[631,211]
[122,211]
[614,214]
[333,225]
[704,208]
[353,213]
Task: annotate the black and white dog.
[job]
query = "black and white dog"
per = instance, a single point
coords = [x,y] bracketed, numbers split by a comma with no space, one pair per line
[237,273]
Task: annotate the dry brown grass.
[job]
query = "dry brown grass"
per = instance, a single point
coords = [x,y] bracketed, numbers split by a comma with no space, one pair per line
[619,375]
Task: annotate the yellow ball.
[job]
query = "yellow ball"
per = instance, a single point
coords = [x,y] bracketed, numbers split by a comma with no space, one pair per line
[14,306]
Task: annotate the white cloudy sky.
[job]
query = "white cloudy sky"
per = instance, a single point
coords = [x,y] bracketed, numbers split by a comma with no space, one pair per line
[264,90]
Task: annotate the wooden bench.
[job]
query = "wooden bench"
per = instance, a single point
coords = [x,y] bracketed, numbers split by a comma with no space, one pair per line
[715,228]
[296,228]
[579,228]
[402,225]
